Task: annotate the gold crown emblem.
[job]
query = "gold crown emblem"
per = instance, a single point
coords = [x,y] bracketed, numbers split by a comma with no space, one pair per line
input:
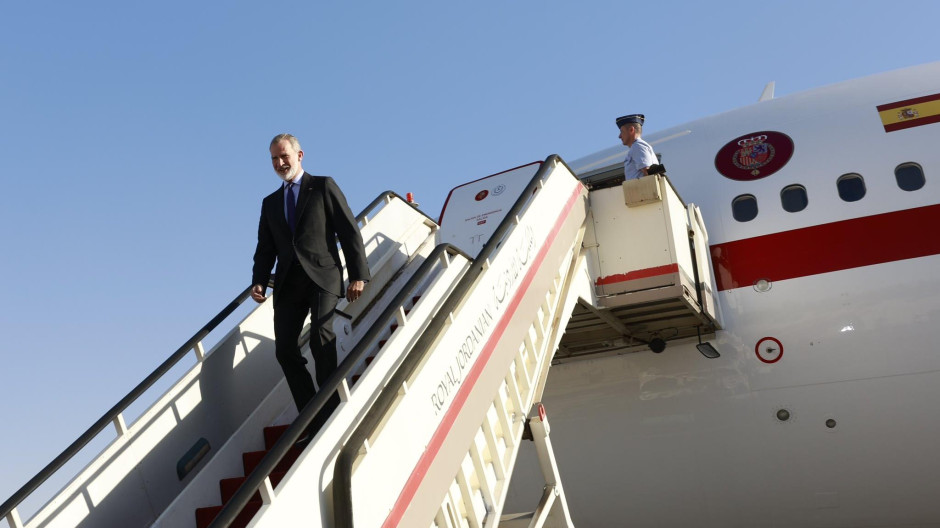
[751,141]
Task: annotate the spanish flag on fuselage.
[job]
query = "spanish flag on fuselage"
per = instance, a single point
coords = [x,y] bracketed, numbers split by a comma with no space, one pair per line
[910,113]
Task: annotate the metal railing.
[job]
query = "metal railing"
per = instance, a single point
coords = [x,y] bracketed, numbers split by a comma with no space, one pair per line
[358,354]
[115,414]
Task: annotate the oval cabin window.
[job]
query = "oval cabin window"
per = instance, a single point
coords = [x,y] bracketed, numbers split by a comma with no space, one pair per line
[910,176]
[851,187]
[793,198]
[744,208]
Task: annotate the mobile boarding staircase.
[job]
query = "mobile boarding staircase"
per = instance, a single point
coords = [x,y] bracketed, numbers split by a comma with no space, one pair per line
[441,363]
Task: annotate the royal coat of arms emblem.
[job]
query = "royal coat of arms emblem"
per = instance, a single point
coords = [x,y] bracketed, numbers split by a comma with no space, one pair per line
[754,156]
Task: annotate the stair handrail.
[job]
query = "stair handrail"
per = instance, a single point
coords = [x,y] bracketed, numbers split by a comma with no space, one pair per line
[342,471]
[357,355]
[112,414]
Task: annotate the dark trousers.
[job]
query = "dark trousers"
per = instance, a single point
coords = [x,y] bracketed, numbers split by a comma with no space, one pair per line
[295,298]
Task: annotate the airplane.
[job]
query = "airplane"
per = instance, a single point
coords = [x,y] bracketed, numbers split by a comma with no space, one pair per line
[744,340]
[818,412]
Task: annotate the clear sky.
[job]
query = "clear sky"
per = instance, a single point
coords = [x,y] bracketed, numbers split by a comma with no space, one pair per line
[133,141]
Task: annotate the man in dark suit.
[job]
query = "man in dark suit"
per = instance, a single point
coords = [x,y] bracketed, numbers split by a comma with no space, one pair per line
[301,223]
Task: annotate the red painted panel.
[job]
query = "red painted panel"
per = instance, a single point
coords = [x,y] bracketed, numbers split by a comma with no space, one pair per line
[638,274]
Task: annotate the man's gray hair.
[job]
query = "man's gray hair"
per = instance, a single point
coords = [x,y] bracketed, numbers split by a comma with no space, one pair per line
[286,137]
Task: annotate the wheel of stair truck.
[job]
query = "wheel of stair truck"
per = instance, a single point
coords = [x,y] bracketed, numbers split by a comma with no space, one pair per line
[657,345]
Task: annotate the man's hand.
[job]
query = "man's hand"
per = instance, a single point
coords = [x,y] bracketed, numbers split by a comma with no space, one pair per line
[354,291]
[257,293]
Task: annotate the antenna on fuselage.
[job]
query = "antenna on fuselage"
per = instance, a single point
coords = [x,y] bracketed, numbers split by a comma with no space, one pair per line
[768,93]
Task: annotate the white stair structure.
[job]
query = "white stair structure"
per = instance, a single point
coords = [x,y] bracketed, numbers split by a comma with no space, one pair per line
[452,417]
[442,365]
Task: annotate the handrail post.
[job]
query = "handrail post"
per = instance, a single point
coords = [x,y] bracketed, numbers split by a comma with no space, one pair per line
[14,519]
[200,352]
[119,424]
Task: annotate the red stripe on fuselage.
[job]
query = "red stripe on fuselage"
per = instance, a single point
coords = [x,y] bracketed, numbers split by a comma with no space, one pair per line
[847,244]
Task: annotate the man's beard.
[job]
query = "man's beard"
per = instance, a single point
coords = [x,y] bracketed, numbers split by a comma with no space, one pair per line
[290,174]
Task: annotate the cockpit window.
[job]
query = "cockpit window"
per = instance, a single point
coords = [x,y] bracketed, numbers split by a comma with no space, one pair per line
[910,176]
[793,198]
[744,208]
[851,187]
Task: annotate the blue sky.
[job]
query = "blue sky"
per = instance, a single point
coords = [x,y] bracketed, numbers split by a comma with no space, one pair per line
[133,141]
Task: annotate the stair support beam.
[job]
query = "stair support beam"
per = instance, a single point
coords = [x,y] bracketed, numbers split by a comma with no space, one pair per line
[13,519]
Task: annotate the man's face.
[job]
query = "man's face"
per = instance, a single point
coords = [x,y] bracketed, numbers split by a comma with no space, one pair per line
[286,160]
[627,135]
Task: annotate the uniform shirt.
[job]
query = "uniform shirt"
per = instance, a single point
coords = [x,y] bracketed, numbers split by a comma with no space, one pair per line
[640,156]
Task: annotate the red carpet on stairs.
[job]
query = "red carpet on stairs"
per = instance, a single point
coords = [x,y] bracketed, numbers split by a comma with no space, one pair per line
[250,460]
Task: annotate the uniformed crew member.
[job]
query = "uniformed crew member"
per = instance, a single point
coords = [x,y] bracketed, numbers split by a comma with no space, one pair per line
[640,156]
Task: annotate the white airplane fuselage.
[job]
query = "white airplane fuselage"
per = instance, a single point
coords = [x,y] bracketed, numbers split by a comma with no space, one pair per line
[822,409]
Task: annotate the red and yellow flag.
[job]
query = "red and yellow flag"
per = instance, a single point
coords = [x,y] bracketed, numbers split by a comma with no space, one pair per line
[910,113]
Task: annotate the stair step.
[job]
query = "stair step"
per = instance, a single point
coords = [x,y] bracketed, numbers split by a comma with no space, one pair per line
[382,342]
[229,486]
[272,434]
[354,379]
[414,300]
[251,459]
[205,516]
[393,327]
[369,360]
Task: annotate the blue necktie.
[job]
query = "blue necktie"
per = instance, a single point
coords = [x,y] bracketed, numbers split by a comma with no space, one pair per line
[291,206]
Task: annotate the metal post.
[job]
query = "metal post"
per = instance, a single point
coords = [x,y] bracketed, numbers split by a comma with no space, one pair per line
[553,508]
[14,519]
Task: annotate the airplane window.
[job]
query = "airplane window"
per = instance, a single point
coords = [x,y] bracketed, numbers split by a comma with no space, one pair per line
[910,176]
[744,208]
[851,187]
[793,198]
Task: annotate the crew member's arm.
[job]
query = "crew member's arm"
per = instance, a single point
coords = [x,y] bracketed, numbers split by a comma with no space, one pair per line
[645,157]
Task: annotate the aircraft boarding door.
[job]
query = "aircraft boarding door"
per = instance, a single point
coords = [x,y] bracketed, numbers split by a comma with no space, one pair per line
[702,255]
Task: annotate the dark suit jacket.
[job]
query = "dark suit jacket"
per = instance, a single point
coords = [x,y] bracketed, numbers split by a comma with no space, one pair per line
[322,217]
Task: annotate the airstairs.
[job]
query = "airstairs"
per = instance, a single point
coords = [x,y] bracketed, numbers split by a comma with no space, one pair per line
[442,364]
